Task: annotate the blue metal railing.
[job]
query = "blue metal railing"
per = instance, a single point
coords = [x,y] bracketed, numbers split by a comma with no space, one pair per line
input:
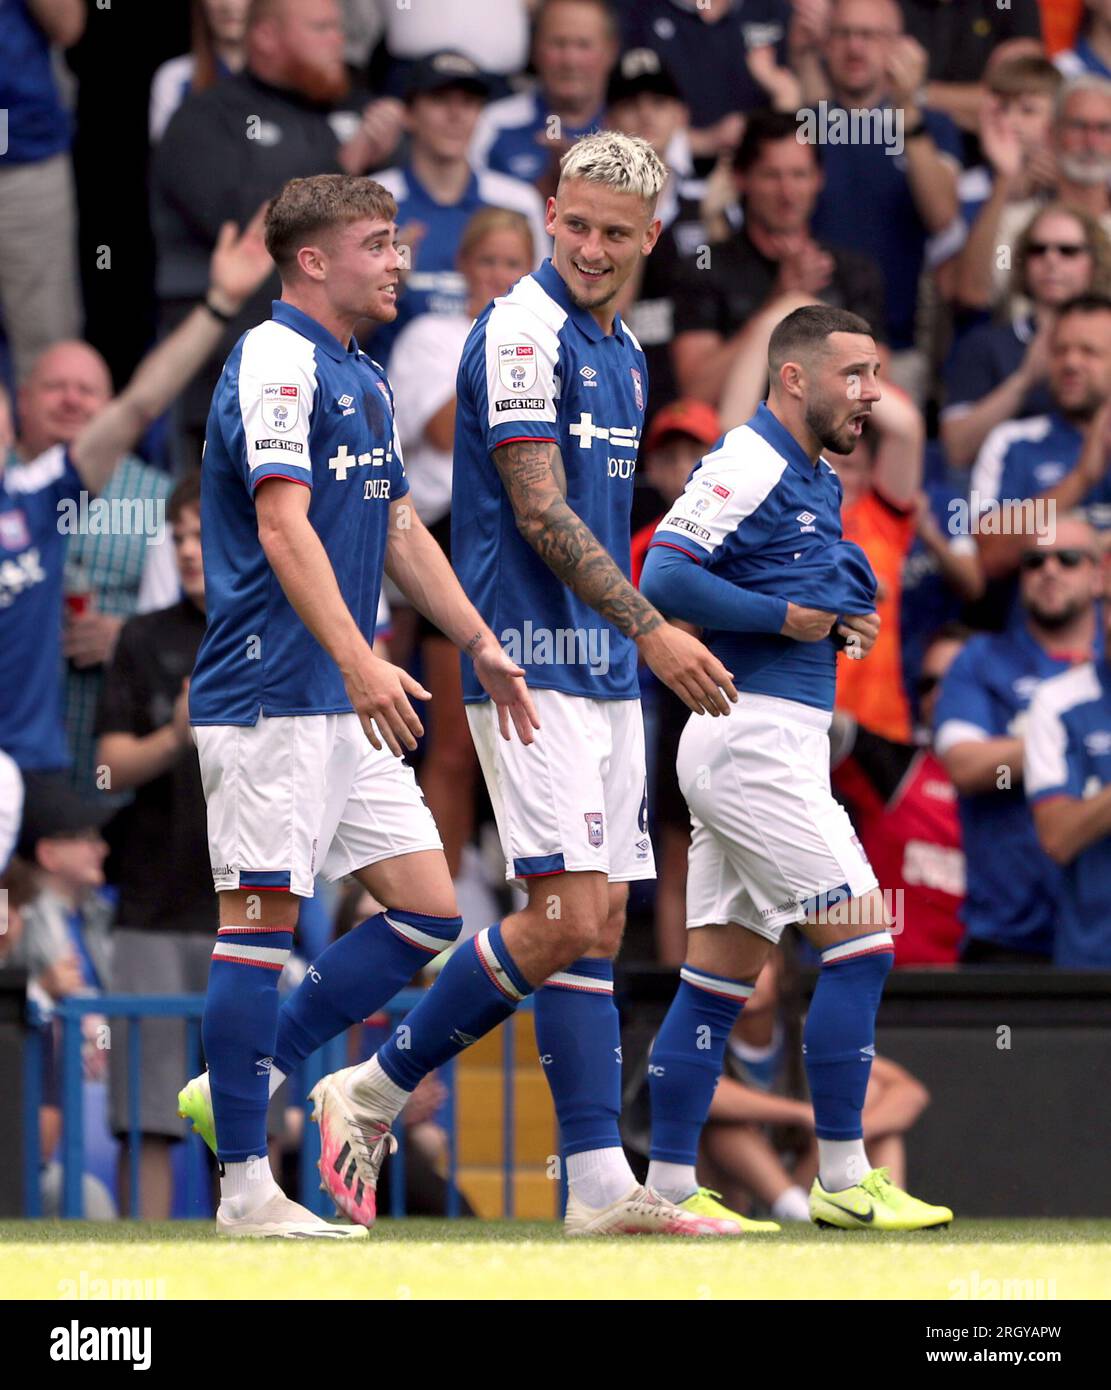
[190,1008]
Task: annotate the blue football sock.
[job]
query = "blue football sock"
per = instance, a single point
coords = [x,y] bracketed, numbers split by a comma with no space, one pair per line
[839,1040]
[357,975]
[477,989]
[687,1058]
[239,1029]
[578,1035]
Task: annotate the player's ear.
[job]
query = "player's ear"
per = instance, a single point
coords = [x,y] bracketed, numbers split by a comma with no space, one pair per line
[550,217]
[312,262]
[651,236]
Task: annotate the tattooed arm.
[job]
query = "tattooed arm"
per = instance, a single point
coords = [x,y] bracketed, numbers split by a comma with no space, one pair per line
[534,478]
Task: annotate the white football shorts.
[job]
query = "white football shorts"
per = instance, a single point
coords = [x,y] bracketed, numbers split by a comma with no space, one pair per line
[575,800]
[768,839]
[294,795]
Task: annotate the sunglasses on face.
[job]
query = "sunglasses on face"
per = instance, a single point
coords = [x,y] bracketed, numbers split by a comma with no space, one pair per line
[1068,249]
[1068,559]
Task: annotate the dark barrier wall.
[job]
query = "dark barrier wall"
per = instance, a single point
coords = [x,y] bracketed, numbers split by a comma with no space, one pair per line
[1018,1066]
[13,991]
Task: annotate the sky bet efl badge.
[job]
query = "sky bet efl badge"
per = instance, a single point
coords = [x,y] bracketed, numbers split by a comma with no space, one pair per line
[517,366]
[279,406]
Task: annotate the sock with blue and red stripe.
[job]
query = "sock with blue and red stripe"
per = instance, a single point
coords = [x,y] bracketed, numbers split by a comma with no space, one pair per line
[477,989]
[683,1073]
[839,1042]
[356,975]
[239,1030]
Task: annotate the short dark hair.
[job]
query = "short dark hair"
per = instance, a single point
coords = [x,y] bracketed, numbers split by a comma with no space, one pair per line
[306,207]
[807,328]
[1085,304]
[764,128]
[186,494]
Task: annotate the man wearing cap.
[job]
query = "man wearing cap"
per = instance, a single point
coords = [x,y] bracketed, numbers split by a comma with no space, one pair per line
[438,190]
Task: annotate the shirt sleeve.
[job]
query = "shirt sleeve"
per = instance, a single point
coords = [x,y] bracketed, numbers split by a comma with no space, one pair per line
[964,708]
[720,499]
[517,386]
[1051,763]
[276,398]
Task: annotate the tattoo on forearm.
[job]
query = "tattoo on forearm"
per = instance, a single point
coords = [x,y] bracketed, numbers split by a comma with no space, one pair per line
[475,640]
[534,477]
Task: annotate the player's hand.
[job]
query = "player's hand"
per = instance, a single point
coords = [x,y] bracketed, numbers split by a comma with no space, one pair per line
[689,668]
[504,682]
[860,633]
[379,693]
[240,263]
[89,638]
[807,624]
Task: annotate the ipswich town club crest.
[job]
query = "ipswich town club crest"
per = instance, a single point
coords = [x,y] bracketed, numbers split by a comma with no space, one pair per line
[638,388]
[594,828]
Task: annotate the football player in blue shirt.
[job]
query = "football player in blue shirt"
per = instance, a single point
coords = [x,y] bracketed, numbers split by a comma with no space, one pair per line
[550,410]
[1068,783]
[752,552]
[299,727]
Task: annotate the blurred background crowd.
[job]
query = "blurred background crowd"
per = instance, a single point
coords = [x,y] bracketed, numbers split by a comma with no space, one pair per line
[941,167]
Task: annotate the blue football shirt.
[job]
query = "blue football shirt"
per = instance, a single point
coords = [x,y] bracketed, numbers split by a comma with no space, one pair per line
[516,136]
[291,403]
[1014,888]
[32,567]
[1068,753]
[535,366]
[757,513]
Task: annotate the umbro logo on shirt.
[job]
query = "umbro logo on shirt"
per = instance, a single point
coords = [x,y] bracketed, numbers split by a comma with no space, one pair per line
[588,374]
[346,404]
[806,521]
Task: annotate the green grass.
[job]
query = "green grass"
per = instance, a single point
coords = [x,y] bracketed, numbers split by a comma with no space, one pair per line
[480,1259]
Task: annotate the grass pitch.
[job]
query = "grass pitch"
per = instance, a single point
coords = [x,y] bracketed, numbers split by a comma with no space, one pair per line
[531,1260]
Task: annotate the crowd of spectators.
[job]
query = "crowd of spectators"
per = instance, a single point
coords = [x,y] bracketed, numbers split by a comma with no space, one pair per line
[944,171]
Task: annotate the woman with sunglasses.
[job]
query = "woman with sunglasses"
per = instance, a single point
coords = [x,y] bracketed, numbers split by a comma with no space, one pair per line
[999,370]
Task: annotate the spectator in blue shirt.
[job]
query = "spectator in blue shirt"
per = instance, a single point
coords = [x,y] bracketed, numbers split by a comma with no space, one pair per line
[1014,889]
[999,372]
[39,298]
[1056,461]
[911,194]
[1068,783]
[438,191]
[1091,53]
[574,48]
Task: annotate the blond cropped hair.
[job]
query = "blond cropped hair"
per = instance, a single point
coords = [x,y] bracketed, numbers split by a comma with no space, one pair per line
[625,163]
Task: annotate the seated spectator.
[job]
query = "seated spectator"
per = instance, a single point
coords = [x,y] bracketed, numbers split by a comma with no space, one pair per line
[874,67]
[66,949]
[498,43]
[1091,52]
[79,439]
[574,47]
[643,99]
[677,437]
[437,191]
[1015,124]
[218,30]
[776,251]
[1013,893]
[1068,784]
[39,281]
[1056,461]
[1080,150]
[999,370]
[167,916]
[904,808]
[291,112]
[496,249]
[703,45]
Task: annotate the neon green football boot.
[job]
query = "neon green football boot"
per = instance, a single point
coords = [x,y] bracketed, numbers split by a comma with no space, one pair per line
[874,1204]
[707,1203]
[194,1102]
